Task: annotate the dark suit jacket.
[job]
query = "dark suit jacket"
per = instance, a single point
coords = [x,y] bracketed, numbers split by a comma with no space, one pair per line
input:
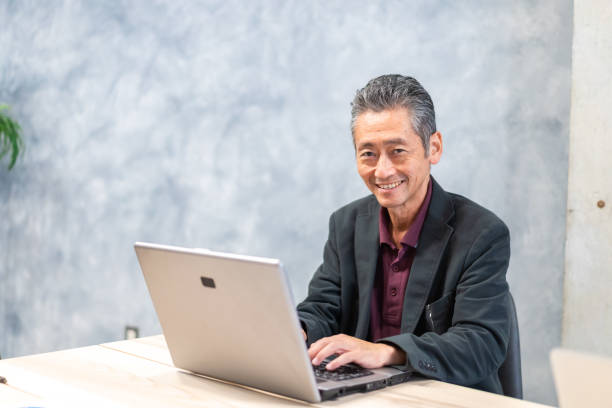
[455,324]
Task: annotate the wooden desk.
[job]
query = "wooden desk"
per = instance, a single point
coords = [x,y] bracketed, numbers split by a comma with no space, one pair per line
[139,373]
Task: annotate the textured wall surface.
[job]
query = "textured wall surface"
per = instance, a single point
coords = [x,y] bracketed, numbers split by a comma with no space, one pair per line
[225,124]
[587,318]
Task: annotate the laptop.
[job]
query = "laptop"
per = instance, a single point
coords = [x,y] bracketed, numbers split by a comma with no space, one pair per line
[581,379]
[232,317]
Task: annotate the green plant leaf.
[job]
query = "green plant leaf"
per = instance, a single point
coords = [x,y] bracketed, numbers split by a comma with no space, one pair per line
[10,137]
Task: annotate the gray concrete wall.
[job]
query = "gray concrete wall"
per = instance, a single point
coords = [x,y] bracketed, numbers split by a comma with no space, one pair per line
[226,125]
[587,322]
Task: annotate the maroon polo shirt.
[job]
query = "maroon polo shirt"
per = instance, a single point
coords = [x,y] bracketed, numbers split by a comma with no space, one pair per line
[392,273]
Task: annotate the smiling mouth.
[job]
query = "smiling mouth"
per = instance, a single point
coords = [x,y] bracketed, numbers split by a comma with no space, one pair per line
[389,186]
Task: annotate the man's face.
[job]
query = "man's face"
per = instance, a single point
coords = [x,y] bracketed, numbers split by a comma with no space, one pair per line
[391,159]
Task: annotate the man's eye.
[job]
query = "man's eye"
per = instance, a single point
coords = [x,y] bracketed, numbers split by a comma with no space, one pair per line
[398,151]
[367,154]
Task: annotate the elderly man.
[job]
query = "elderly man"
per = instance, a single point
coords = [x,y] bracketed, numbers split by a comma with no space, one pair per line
[412,275]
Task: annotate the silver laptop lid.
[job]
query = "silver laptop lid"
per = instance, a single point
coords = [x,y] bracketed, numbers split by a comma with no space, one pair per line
[229,317]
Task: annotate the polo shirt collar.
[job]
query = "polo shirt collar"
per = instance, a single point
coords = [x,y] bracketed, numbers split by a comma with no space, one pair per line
[411,238]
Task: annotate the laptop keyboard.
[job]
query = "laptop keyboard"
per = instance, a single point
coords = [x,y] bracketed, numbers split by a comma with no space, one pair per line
[345,372]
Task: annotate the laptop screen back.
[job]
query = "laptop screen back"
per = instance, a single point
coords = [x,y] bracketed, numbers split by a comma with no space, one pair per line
[229,317]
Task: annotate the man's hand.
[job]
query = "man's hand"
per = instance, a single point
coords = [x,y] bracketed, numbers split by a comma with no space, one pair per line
[353,350]
[304,334]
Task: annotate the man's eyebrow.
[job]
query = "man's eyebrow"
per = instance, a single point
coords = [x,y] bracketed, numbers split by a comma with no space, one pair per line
[394,141]
[366,145]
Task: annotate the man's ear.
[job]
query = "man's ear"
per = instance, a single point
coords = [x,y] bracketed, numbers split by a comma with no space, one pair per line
[435,148]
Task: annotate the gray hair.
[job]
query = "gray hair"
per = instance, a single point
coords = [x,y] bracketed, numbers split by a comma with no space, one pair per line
[395,91]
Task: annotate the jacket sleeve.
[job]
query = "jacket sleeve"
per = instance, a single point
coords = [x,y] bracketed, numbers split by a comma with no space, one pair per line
[320,312]
[474,346]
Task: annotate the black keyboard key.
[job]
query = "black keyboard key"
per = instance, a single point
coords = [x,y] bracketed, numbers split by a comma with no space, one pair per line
[345,372]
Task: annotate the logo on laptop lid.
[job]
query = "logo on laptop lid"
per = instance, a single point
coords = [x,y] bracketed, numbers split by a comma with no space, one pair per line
[208,282]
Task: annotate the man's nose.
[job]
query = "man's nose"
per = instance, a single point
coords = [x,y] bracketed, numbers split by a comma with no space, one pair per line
[384,168]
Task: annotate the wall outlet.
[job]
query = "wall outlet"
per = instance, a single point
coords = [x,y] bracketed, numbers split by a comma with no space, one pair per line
[131,332]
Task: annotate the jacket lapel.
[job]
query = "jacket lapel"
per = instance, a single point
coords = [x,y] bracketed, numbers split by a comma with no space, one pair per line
[432,242]
[366,262]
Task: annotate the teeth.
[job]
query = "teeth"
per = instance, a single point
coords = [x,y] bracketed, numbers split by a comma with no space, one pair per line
[389,186]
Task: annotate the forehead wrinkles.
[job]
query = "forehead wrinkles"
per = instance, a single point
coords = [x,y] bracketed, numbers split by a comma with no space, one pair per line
[373,128]
[398,116]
